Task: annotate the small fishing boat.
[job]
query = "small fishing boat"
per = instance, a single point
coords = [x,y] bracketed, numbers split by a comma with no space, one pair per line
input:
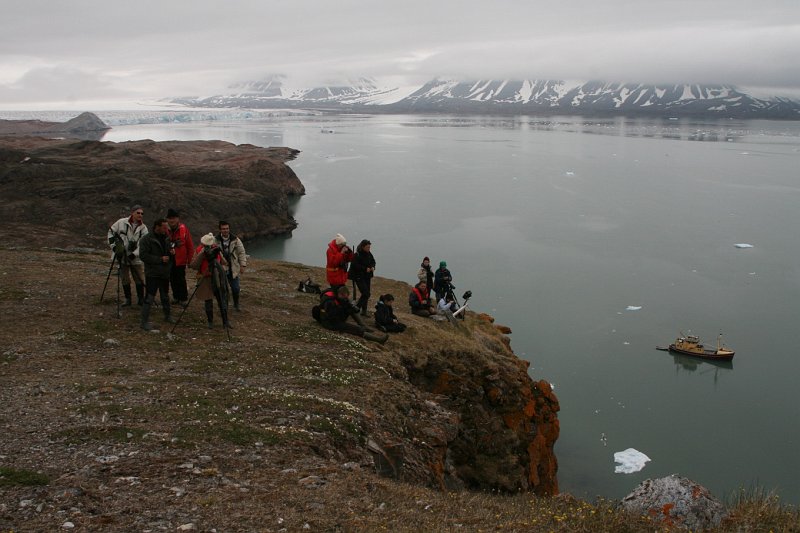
[690,345]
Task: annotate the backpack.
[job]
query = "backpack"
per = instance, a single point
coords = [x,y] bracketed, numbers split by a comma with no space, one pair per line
[317,310]
[309,286]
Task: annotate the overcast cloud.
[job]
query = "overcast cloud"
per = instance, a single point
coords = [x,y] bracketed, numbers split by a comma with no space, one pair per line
[52,52]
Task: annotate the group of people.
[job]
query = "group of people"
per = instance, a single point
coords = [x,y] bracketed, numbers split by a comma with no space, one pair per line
[344,264]
[156,262]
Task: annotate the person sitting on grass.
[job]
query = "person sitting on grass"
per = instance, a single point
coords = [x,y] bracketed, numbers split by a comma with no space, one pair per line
[448,303]
[385,318]
[334,310]
[420,300]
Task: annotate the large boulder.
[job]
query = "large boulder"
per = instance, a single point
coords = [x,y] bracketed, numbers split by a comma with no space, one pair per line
[676,502]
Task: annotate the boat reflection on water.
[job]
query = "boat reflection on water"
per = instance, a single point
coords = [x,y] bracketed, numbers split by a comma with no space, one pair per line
[693,363]
[701,366]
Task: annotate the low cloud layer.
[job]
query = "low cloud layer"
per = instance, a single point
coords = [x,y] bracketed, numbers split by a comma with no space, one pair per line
[94,50]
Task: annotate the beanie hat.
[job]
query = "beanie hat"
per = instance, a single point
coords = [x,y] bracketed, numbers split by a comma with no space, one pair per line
[426,258]
[171,213]
[387,298]
[442,264]
[208,239]
[340,239]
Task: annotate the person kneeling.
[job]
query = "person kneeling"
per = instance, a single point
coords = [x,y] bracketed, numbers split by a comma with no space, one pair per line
[384,315]
[334,310]
[420,300]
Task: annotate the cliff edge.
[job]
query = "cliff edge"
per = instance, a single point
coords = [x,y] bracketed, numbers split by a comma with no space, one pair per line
[133,430]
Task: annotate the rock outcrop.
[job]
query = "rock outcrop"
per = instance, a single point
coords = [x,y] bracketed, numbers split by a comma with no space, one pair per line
[676,501]
[64,192]
[478,422]
[86,126]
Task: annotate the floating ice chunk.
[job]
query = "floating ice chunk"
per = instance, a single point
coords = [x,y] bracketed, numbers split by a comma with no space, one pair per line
[377,201]
[630,461]
[569,173]
[633,307]
[743,245]
[626,343]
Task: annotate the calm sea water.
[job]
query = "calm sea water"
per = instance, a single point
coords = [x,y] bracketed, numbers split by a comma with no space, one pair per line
[557,226]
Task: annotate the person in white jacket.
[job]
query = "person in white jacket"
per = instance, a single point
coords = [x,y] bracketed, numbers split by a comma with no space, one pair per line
[127,232]
[236,256]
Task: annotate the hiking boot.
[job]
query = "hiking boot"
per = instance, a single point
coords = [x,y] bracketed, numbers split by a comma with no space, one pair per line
[127,290]
[210,325]
[139,294]
[227,325]
[147,326]
[376,337]
[169,320]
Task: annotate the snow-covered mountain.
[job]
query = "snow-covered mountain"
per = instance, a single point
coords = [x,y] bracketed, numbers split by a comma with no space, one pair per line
[509,97]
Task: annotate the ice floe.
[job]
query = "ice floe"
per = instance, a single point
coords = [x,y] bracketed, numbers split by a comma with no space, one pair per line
[630,461]
[743,245]
[633,307]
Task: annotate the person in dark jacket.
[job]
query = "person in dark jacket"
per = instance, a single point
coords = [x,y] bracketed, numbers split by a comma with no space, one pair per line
[336,308]
[420,300]
[384,315]
[442,281]
[156,254]
[362,268]
[425,273]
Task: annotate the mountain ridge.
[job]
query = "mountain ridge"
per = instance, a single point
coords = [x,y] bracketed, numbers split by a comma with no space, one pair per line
[508,96]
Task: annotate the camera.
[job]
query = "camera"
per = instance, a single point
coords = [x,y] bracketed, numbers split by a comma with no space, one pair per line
[210,252]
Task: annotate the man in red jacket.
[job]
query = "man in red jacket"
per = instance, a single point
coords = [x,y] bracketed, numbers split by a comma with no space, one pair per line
[181,243]
[339,254]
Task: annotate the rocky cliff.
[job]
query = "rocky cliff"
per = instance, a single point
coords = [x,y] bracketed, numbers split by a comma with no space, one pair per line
[66,192]
[129,430]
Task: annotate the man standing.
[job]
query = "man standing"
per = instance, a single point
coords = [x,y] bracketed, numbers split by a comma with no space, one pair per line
[362,268]
[234,253]
[442,281]
[181,242]
[156,253]
[130,230]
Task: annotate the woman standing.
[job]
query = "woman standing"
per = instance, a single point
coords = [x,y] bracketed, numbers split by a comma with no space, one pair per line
[361,271]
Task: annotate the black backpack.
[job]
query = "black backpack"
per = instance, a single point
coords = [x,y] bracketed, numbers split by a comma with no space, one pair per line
[325,295]
[309,287]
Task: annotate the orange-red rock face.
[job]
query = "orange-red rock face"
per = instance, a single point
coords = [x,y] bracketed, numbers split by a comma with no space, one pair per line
[506,424]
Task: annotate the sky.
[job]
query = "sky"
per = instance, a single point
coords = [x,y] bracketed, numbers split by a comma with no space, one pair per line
[56,53]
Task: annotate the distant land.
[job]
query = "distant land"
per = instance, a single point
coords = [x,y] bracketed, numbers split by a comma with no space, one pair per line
[511,97]
[85,126]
